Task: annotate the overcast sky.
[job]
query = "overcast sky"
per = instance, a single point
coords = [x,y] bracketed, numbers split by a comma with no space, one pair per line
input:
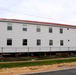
[59,11]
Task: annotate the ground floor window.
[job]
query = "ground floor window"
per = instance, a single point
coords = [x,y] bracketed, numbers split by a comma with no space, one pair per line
[61,42]
[38,42]
[50,42]
[25,42]
[9,41]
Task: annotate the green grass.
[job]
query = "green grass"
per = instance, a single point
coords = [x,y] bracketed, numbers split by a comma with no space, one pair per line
[36,63]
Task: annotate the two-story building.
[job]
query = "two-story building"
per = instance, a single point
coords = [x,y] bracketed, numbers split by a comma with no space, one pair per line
[23,36]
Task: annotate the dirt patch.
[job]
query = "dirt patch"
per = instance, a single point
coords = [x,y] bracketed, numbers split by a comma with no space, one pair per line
[18,70]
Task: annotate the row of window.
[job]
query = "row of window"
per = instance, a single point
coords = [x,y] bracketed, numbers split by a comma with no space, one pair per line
[38,42]
[9,27]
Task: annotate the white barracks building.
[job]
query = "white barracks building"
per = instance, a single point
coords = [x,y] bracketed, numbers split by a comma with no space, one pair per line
[22,36]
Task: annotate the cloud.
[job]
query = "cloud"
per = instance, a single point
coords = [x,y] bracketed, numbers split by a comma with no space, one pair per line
[63,11]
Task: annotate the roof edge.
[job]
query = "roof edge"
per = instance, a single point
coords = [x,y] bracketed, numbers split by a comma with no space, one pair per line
[37,22]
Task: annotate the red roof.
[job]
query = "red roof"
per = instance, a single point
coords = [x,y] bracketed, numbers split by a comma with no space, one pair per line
[37,22]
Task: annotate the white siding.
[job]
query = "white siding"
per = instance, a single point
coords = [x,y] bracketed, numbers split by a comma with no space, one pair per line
[17,35]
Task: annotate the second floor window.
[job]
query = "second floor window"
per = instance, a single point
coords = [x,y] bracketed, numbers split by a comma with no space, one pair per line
[50,30]
[61,30]
[24,28]
[38,29]
[67,28]
[9,27]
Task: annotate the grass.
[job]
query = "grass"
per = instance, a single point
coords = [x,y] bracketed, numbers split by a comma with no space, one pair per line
[35,63]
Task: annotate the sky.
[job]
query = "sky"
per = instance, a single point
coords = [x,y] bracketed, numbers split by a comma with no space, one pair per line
[57,11]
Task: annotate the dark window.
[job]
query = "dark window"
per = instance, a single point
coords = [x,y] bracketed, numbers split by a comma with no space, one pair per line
[68,40]
[50,30]
[61,42]
[67,28]
[61,30]
[9,41]
[50,42]
[38,42]
[24,29]
[25,42]
[38,29]
[9,27]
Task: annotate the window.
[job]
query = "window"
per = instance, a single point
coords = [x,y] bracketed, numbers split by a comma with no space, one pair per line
[38,42]
[25,42]
[38,29]
[50,42]
[9,42]
[9,27]
[67,28]
[61,30]
[24,28]
[68,40]
[50,30]
[61,42]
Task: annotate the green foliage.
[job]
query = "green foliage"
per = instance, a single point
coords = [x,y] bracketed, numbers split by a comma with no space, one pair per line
[36,63]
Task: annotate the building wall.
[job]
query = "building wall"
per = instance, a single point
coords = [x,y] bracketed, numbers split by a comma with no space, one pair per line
[17,35]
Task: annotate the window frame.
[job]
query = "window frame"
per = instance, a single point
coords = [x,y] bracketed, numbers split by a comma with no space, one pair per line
[67,28]
[9,42]
[24,43]
[9,27]
[38,43]
[61,30]
[38,29]
[61,42]
[50,42]
[50,30]
[24,28]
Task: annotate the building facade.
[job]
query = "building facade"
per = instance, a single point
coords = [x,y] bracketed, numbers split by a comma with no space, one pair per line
[34,36]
